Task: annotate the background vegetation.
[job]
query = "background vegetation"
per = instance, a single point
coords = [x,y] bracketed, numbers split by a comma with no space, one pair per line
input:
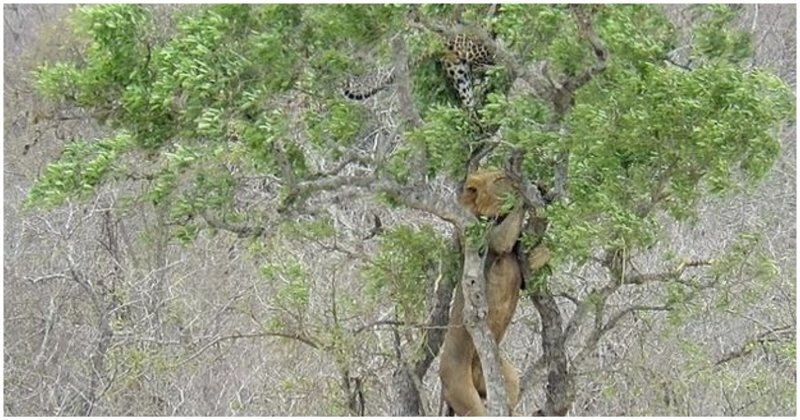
[191,207]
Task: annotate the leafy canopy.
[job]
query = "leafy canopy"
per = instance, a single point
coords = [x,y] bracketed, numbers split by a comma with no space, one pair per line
[249,86]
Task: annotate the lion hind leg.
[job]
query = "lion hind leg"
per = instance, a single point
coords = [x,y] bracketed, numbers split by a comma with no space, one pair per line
[512,382]
[460,392]
[510,378]
[463,398]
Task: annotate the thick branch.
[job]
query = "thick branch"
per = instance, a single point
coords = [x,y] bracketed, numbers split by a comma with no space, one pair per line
[403,83]
[476,312]
[406,104]
[408,395]
[305,188]
[559,390]
[657,194]
[438,319]
[416,197]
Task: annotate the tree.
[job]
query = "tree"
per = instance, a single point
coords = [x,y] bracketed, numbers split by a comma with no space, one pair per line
[235,123]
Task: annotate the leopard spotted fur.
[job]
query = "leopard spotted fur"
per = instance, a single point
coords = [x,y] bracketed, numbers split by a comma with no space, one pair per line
[464,61]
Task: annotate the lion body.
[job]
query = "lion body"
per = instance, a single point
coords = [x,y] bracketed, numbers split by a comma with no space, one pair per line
[460,370]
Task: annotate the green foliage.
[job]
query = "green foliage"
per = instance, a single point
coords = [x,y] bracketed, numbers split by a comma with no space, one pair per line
[442,137]
[477,232]
[670,129]
[408,262]
[431,88]
[735,259]
[237,85]
[538,280]
[56,80]
[135,360]
[638,34]
[399,169]
[713,39]
[114,57]
[82,167]
[186,234]
[336,123]
[533,31]
[353,23]
[291,280]
[745,263]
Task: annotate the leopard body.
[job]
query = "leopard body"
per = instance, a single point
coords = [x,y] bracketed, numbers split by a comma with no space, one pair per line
[464,61]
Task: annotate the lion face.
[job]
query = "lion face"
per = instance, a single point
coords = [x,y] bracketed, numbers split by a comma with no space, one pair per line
[483,192]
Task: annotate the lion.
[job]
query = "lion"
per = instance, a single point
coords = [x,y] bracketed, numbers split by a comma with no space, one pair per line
[460,370]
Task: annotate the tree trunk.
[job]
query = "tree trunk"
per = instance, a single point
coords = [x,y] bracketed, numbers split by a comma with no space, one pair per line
[559,389]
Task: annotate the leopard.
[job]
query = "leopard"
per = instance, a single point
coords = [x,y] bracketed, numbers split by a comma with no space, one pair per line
[465,60]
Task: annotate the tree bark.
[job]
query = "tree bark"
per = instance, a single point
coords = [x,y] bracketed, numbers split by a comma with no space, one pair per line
[559,390]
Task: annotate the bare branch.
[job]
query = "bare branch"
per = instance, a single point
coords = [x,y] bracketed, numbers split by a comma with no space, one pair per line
[616,263]
[612,322]
[569,297]
[783,334]
[301,337]
[482,150]
[672,275]
[241,230]
[351,156]
[46,277]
